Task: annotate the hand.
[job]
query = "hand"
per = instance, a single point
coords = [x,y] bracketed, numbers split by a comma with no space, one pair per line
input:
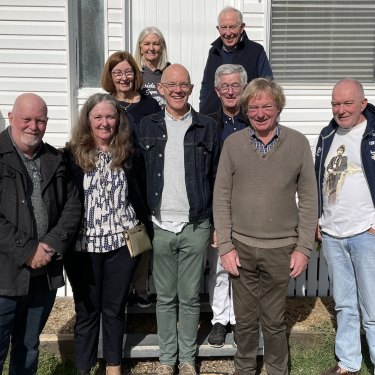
[41,257]
[298,263]
[318,234]
[230,262]
[214,240]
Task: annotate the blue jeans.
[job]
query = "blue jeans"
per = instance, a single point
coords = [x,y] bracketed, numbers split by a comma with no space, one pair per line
[351,269]
[22,319]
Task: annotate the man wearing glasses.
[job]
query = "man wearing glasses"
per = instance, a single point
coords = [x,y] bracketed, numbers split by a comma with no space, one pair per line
[232,47]
[39,213]
[230,81]
[181,150]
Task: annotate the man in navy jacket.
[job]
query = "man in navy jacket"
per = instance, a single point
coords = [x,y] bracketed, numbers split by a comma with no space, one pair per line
[347,219]
[232,47]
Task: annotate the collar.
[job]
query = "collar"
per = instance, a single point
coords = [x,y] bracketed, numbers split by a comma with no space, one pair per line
[186,116]
[254,134]
[22,155]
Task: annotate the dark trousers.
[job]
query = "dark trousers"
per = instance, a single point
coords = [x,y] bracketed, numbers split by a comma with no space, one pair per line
[22,319]
[259,296]
[100,283]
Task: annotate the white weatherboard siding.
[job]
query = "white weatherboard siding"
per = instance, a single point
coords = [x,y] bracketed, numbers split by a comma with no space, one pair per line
[34,57]
[38,49]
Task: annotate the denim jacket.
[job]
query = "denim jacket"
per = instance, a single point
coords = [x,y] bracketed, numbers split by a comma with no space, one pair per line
[367,152]
[201,149]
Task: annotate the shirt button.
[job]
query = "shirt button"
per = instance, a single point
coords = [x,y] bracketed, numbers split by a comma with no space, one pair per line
[160,155]
[164,135]
[159,174]
[156,194]
[24,202]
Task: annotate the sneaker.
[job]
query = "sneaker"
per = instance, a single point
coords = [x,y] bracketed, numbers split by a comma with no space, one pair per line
[186,369]
[165,370]
[233,328]
[144,300]
[216,338]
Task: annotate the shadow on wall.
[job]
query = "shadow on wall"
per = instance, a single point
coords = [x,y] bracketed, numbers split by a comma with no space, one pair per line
[2,122]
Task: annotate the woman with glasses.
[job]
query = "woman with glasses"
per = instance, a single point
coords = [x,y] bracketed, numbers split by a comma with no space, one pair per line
[151,57]
[122,78]
[104,168]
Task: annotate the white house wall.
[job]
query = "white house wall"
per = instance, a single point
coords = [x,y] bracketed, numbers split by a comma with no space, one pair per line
[33,58]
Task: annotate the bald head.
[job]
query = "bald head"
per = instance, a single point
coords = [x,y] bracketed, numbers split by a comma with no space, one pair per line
[28,121]
[348,103]
[175,70]
[176,88]
[28,100]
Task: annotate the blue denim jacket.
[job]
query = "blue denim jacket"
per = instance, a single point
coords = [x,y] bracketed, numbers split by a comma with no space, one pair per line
[202,148]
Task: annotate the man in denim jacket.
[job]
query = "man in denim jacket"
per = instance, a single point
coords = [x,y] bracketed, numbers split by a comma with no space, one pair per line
[181,151]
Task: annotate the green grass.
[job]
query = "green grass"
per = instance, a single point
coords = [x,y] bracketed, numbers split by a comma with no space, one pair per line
[319,356]
[309,359]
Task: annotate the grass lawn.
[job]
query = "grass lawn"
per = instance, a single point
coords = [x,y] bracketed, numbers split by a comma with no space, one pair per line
[309,359]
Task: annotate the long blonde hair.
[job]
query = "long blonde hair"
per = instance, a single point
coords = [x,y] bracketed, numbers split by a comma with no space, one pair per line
[163,56]
[83,146]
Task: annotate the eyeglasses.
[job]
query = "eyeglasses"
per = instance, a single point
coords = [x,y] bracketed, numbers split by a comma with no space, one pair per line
[230,28]
[184,86]
[119,73]
[266,108]
[236,87]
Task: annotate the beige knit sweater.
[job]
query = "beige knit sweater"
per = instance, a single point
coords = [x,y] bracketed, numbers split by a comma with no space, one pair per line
[255,195]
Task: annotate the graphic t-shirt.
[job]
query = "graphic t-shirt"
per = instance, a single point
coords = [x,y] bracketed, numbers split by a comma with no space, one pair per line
[348,207]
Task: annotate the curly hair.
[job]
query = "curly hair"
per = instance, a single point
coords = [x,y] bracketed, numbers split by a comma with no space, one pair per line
[82,143]
[113,60]
[163,55]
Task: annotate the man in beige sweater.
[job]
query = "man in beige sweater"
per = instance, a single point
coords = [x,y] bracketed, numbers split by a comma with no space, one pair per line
[264,233]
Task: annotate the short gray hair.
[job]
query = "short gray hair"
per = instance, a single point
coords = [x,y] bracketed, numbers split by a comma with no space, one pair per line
[230,69]
[230,9]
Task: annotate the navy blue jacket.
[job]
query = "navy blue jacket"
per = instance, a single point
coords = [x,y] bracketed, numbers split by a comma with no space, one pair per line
[201,149]
[367,152]
[249,54]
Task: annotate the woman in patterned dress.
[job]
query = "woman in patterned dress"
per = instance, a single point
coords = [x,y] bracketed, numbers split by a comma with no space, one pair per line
[100,159]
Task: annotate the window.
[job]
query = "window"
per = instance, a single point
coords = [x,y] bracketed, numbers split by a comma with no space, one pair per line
[91,42]
[323,40]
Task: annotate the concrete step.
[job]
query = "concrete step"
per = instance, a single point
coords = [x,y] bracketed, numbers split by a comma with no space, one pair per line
[138,345]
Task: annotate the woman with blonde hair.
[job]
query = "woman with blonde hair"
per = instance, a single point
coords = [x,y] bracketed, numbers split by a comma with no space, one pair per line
[101,159]
[152,58]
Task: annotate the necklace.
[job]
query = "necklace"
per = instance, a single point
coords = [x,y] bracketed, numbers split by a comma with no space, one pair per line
[125,107]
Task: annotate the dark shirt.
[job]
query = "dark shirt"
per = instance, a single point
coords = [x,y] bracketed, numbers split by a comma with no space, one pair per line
[231,125]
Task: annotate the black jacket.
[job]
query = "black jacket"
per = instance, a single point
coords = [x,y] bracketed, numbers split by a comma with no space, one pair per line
[249,54]
[17,237]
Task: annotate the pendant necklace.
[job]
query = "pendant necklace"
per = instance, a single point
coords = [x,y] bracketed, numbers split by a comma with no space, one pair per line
[125,107]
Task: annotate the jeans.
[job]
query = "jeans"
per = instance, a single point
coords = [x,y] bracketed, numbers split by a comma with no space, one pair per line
[22,319]
[178,267]
[351,269]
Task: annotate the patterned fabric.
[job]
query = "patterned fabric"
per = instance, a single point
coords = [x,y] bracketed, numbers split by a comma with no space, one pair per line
[107,211]
[260,146]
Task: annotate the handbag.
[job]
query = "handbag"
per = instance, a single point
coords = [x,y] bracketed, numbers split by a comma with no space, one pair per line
[137,240]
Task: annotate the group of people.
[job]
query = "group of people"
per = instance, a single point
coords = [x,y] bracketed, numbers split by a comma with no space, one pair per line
[141,153]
